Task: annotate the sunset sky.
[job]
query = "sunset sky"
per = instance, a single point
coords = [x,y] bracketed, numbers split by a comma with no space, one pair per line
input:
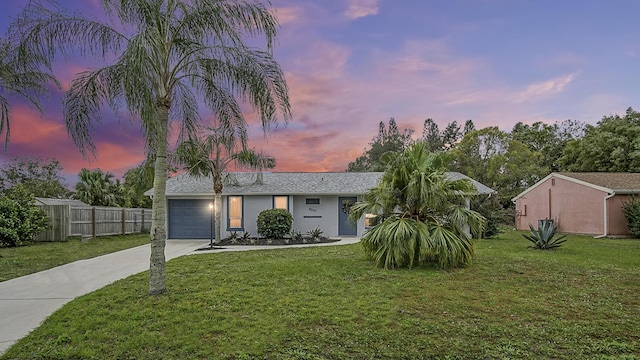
[350,64]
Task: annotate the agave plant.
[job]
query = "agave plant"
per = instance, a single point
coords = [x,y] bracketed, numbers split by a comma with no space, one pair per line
[315,234]
[545,237]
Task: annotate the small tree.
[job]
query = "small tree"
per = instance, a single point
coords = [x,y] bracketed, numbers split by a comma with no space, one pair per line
[211,155]
[631,211]
[20,219]
[40,177]
[99,189]
[274,223]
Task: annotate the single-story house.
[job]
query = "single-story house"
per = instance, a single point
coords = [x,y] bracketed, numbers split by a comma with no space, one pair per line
[578,202]
[316,200]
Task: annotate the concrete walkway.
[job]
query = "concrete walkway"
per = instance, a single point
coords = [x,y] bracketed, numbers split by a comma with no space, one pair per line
[26,301]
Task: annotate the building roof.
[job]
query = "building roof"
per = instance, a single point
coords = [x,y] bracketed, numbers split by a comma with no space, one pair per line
[612,183]
[51,201]
[291,183]
[615,182]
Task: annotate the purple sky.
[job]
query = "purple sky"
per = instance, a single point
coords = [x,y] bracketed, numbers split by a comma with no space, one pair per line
[350,64]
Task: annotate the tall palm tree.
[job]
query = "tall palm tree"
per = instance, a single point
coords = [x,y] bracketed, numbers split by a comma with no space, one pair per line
[211,155]
[20,76]
[165,54]
[422,215]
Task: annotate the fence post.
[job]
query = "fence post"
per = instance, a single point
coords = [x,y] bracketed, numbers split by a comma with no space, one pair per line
[142,226]
[93,222]
[123,217]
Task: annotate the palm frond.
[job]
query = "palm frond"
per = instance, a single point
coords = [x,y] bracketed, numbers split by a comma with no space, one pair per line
[40,27]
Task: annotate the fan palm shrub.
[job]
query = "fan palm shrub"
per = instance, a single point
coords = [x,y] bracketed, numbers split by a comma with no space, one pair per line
[422,215]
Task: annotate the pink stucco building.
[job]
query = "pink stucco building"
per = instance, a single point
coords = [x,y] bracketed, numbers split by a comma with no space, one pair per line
[580,203]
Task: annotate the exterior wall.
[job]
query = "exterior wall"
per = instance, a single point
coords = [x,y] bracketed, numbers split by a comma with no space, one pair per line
[252,206]
[575,208]
[617,224]
[307,217]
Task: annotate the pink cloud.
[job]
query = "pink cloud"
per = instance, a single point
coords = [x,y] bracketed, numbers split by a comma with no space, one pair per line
[361,8]
[545,88]
[289,14]
[28,126]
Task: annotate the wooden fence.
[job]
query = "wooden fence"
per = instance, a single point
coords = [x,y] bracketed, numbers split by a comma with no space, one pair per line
[65,221]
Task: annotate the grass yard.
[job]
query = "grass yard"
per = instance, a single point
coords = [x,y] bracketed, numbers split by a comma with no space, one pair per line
[579,302]
[38,256]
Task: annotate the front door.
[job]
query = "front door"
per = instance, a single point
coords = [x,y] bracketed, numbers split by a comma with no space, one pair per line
[345,226]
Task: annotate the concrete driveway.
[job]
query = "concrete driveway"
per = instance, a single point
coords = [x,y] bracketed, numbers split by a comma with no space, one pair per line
[28,300]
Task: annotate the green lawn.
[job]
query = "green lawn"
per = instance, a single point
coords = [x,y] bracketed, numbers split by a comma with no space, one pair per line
[38,256]
[579,302]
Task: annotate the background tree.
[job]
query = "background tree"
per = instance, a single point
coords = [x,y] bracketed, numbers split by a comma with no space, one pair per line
[422,216]
[494,158]
[39,177]
[211,155]
[431,136]
[388,139]
[446,139]
[549,140]
[451,135]
[469,126]
[476,155]
[20,218]
[612,145]
[20,77]
[137,180]
[166,52]
[97,188]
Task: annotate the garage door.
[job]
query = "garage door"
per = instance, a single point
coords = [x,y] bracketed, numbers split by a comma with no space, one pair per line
[189,219]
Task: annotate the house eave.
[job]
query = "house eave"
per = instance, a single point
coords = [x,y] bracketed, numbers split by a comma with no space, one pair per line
[626,192]
[573,180]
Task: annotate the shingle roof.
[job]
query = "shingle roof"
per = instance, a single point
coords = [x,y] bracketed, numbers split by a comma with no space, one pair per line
[320,183]
[616,182]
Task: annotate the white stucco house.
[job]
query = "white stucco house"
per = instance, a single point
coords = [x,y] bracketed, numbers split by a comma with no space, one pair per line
[316,200]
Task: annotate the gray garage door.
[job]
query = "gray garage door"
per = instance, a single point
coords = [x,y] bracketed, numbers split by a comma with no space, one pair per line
[189,219]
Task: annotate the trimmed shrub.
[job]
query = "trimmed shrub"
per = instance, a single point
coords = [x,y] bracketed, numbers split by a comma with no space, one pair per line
[631,211]
[20,218]
[274,223]
[493,212]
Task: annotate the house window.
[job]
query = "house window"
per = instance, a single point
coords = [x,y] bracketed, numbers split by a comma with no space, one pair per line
[369,220]
[281,202]
[235,206]
[312,201]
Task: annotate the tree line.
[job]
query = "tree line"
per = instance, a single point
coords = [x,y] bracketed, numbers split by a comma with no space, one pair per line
[40,177]
[511,161]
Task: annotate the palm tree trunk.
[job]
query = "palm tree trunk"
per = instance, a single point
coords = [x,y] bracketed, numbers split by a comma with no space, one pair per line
[157,273]
[218,216]
[217,205]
